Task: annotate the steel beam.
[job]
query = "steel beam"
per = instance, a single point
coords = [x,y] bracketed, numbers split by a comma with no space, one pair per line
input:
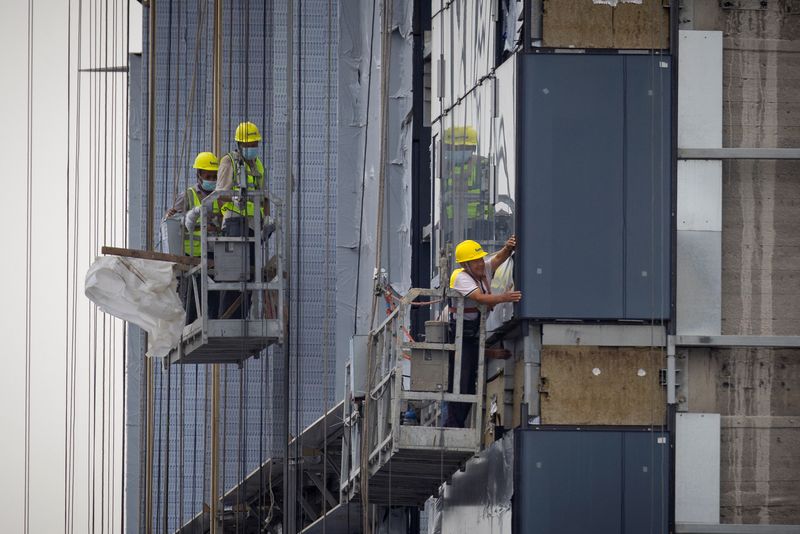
[786,342]
[739,153]
[702,528]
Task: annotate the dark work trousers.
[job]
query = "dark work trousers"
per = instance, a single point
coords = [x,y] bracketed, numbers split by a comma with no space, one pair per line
[189,303]
[234,228]
[455,414]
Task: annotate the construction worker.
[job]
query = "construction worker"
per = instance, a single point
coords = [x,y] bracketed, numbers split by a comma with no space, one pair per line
[190,203]
[465,197]
[245,155]
[473,279]
[237,219]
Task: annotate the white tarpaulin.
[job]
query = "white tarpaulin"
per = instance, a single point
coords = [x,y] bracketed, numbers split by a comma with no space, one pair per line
[142,292]
[502,282]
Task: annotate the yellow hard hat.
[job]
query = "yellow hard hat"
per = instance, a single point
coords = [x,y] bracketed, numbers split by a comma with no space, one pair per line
[461,135]
[206,161]
[247,132]
[469,250]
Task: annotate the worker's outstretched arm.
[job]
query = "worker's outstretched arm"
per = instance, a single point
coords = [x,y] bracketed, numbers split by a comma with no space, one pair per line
[491,299]
[504,253]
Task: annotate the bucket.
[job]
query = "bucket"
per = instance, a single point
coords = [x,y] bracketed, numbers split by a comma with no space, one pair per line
[436,331]
[171,240]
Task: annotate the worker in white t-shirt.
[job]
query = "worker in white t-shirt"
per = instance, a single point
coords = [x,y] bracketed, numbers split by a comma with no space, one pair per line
[474,280]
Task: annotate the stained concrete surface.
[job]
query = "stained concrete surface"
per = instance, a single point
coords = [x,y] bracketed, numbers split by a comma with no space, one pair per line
[757,390]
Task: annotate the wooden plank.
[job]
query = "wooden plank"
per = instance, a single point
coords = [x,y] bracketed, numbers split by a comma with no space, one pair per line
[602,386]
[150,255]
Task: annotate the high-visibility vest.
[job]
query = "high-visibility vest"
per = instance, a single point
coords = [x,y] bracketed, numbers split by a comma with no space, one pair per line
[255,182]
[191,243]
[475,196]
[467,309]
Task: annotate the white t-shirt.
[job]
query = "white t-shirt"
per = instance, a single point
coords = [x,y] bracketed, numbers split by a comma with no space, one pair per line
[465,284]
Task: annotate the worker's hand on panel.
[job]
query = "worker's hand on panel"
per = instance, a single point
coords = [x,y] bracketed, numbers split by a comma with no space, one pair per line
[511,244]
[513,296]
[170,213]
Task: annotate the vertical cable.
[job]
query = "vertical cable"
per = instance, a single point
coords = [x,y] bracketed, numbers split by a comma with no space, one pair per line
[328,253]
[288,518]
[28,278]
[298,270]
[66,271]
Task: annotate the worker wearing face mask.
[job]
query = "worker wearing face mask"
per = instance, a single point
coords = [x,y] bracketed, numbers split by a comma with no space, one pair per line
[244,157]
[242,169]
[190,202]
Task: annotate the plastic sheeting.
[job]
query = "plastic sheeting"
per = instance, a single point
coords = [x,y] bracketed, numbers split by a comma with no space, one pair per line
[359,163]
[502,282]
[142,292]
[478,499]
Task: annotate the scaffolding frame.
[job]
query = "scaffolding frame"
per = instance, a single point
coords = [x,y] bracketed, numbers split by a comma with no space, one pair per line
[223,340]
[406,463]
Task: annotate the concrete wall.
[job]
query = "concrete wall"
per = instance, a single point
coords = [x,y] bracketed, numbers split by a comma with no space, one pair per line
[756,391]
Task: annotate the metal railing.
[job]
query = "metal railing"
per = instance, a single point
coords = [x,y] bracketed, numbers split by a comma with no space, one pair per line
[261,279]
[377,429]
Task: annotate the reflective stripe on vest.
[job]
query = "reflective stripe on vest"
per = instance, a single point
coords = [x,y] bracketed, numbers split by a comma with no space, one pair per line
[254,183]
[469,170]
[192,246]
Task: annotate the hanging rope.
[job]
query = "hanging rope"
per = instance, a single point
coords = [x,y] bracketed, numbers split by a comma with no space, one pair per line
[28,276]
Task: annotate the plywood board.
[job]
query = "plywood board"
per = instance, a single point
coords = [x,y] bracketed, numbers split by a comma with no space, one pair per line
[602,386]
[584,24]
[644,25]
[577,23]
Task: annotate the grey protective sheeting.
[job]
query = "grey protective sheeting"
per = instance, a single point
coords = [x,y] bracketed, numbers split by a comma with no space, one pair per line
[254,88]
[359,166]
[478,499]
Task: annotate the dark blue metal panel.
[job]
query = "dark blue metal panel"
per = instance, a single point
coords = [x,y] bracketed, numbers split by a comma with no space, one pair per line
[570,187]
[646,465]
[602,481]
[647,186]
[569,482]
[594,187]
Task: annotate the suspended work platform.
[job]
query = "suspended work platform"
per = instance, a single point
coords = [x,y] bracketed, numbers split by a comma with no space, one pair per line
[409,453]
[235,294]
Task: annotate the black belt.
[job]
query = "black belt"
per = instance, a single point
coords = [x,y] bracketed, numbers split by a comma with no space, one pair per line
[453,309]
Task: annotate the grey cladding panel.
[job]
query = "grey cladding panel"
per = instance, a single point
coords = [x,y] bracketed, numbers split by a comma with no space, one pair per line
[648,180]
[609,481]
[568,482]
[594,186]
[646,462]
[571,214]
